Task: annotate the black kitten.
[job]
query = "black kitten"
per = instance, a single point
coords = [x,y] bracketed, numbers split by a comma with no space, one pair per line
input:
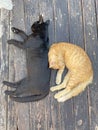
[36,85]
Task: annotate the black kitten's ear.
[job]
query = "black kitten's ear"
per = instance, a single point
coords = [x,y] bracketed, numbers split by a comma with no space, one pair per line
[47,22]
[41,19]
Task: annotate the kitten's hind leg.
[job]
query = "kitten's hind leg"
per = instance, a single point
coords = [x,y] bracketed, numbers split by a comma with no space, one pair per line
[19,32]
[21,87]
[62,85]
[14,85]
[62,93]
[14,93]
[73,81]
[74,92]
[18,44]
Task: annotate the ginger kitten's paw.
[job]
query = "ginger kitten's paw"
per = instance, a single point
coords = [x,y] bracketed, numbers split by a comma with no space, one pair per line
[58,80]
[52,89]
[65,97]
[62,93]
[61,99]
[55,88]
[56,96]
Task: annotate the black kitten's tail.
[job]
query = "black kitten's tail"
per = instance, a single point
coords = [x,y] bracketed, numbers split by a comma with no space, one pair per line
[31,98]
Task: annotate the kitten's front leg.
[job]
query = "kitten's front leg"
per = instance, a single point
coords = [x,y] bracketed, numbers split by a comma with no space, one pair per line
[16,43]
[19,32]
[57,87]
[62,85]
[59,76]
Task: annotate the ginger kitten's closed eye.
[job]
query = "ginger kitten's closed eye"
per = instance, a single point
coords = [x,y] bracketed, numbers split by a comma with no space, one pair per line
[80,72]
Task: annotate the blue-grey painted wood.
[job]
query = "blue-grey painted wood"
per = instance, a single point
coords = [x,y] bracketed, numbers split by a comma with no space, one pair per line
[4,34]
[18,114]
[71,21]
[91,46]
[61,15]
[77,37]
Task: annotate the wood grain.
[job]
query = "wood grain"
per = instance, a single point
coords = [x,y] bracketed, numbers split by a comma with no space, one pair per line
[4,24]
[91,48]
[77,37]
[71,21]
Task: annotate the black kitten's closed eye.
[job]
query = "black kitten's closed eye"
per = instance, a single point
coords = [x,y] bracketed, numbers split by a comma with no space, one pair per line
[36,85]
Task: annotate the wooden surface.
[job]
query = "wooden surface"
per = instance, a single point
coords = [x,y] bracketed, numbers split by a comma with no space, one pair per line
[73,21]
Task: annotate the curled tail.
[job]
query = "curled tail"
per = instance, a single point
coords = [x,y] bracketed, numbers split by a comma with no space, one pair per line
[75,91]
[31,98]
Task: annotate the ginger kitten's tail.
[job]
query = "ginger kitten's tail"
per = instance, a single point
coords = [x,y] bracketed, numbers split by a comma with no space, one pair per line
[75,91]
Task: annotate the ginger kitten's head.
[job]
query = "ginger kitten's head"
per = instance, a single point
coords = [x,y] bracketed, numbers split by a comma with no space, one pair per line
[54,59]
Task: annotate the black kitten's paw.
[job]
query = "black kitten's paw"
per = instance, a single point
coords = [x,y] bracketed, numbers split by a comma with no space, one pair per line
[12,85]
[9,42]
[9,84]
[7,92]
[15,30]
[6,83]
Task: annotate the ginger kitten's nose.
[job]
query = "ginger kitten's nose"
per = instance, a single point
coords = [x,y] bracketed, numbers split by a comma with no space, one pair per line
[51,64]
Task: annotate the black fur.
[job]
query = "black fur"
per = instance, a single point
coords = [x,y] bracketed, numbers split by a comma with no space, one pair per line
[36,85]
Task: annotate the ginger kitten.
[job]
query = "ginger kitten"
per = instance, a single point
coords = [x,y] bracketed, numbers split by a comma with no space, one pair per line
[80,72]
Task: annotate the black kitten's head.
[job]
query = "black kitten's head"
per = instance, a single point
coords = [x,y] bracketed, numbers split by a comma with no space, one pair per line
[40,27]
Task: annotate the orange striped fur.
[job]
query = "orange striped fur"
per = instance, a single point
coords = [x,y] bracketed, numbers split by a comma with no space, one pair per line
[80,72]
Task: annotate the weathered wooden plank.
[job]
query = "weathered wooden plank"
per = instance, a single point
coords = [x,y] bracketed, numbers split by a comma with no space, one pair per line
[65,115]
[75,22]
[39,113]
[91,41]
[96,9]
[51,107]
[37,109]
[76,36]
[66,24]
[61,16]
[96,13]
[18,114]
[4,29]
[31,15]
[46,9]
